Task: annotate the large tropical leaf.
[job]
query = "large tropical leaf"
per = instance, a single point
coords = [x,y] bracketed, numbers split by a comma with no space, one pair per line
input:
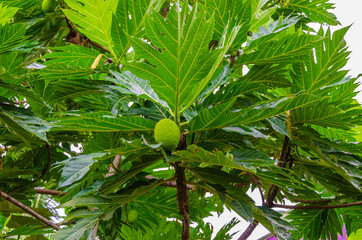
[6,13]
[81,229]
[199,155]
[25,126]
[219,116]
[137,86]
[315,224]
[284,50]
[335,134]
[24,4]
[76,167]
[94,18]
[104,122]
[324,114]
[63,71]
[316,72]
[353,221]
[233,90]
[230,12]
[11,36]
[73,55]
[183,65]
[316,10]
[279,225]
[122,24]
[323,175]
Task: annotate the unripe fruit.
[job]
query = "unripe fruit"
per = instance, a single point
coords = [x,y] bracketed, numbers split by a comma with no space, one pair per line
[167,133]
[132,216]
[48,6]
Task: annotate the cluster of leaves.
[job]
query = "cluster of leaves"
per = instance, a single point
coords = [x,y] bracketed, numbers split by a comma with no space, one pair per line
[261,98]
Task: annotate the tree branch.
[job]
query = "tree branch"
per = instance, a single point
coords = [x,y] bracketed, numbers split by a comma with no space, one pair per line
[183,201]
[169,184]
[29,210]
[249,230]
[313,201]
[275,3]
[50,192]
[344,205]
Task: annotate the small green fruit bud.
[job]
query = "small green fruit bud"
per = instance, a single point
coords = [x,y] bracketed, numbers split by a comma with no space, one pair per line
[132,216]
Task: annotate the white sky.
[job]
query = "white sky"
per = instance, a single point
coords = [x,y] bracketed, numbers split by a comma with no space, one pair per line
[348,12]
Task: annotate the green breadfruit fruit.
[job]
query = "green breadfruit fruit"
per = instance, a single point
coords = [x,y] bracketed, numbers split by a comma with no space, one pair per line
[132,216]
[48,6]
[167,133]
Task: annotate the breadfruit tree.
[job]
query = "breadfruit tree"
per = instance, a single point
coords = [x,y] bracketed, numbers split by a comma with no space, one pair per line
[257,90]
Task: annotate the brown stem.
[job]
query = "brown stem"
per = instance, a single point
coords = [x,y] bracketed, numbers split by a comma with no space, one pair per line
[29,210]
[344,205]
[265,237]
[275,3]
[312,201]
[111,170]
[253,178]
[170,184]
[20,102]
[249,230]
[50,192]
[95,231]
[67,222]
[183,201]
[99,46]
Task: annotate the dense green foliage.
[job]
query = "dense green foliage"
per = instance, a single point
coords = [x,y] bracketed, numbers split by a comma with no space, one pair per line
[260,97]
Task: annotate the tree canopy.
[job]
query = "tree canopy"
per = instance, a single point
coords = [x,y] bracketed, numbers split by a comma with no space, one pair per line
[257,88]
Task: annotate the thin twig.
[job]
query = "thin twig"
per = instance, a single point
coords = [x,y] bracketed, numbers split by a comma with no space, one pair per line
[29,210]
[20,102]
[313,201]
[59,224]
[67,222]
[50,192]
[275,3]
[114,167]
[98,46]
[256,181]
[169,184]
[344,205]
[265,237]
